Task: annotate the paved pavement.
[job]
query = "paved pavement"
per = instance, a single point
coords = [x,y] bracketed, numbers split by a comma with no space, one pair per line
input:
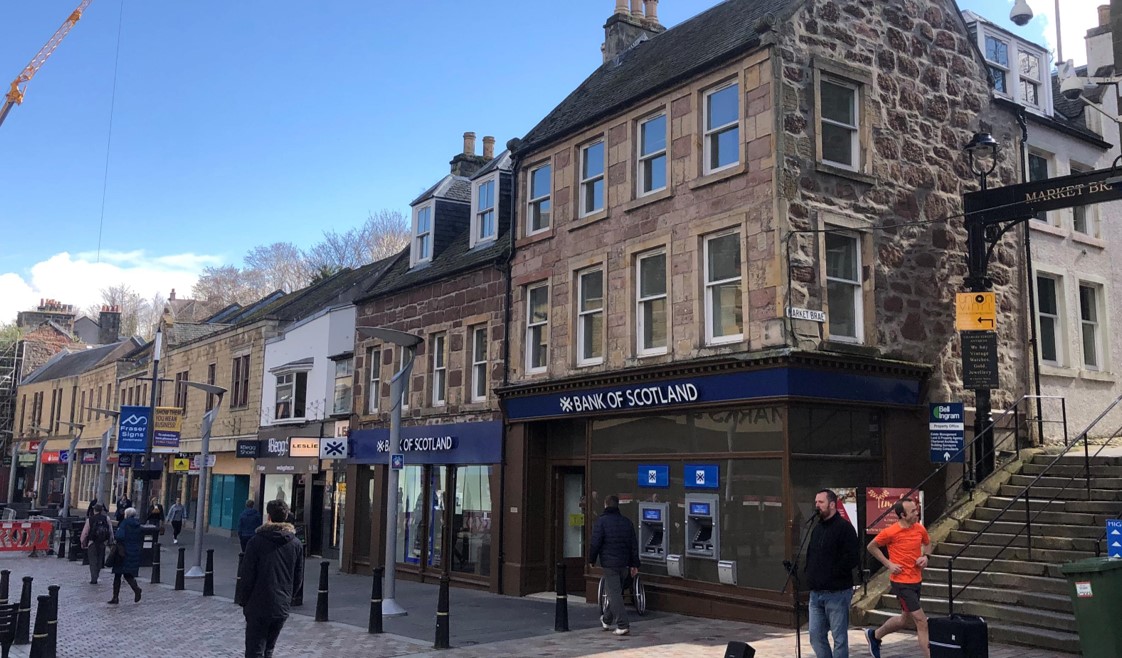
[170,623]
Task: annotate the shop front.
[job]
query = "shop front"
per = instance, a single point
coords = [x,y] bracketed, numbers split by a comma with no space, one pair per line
[716,466]
[448,493]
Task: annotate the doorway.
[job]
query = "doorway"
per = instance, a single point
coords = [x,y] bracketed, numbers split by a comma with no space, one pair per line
[568,524]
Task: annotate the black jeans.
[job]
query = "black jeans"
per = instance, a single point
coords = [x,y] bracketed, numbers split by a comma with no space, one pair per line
[176,528]
[261,635]
[117,584]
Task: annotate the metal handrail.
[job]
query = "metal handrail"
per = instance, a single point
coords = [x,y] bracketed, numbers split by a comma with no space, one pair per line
[1026,493]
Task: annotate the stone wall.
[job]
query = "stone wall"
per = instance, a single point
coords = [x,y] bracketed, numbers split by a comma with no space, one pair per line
[924,93]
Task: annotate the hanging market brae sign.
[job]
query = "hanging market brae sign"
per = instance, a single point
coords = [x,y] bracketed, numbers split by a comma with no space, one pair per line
[631,398]
[1023,200]
[420,444]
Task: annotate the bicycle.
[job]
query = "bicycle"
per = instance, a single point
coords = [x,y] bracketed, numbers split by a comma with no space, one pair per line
[634,586]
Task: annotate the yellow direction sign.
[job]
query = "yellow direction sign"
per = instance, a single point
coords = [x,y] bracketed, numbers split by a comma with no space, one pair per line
[975,311]
[180,465]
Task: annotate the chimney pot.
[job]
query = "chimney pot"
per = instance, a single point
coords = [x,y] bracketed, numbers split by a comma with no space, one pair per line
[621,7]
[469,143]
[651,10]
[488,147]
[637,9]
[1104,15]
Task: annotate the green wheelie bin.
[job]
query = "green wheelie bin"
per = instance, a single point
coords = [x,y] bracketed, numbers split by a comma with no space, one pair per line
[1096,595]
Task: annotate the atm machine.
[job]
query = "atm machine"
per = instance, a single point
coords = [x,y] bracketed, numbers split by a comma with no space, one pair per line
[653,518]
[703,532]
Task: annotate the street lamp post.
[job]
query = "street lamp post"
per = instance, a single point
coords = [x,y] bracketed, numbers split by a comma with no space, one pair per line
[196,570]
[146,472]
[14,464]
[982,154]
[70,454]
[103,461]
[39,464]
[408,343]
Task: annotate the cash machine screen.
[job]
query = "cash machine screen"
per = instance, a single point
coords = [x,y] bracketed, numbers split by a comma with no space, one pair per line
[652,515]
[700,509]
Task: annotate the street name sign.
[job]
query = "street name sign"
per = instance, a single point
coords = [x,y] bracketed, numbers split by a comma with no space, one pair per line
[1011,202]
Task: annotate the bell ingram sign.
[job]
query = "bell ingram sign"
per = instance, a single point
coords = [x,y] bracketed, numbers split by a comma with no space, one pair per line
[946,424]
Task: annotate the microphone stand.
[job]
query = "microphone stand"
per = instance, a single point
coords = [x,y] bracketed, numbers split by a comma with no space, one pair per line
[792,567]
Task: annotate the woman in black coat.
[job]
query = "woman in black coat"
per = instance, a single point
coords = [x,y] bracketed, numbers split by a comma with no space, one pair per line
[130,539]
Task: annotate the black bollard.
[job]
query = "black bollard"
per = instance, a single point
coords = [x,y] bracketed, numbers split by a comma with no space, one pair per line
[208,577]
[375,623]
[442,616]
[62,541]
[74,550]
[39,641]
[561,610]
[4,577]
[52,623]
[23,622]
[321,597]
[155,580]
[238,580]
[179,571]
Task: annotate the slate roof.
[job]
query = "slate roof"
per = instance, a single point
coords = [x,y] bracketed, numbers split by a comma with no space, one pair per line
[456,257]
[70,363]
[502,162]
[1073,114]
[453,188]
[665,59]
[185,332]
[340,288]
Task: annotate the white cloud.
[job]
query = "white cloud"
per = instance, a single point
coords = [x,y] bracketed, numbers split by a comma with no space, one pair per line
[1075,19]
[78,279]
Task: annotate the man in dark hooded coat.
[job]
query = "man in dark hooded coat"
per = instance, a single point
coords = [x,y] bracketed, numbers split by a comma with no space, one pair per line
[271,570]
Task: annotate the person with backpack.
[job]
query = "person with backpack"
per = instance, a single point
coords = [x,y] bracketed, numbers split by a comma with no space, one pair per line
[95,535]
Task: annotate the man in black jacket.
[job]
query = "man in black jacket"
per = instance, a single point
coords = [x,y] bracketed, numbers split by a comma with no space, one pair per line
[831,558]
[615,543]
[271,569]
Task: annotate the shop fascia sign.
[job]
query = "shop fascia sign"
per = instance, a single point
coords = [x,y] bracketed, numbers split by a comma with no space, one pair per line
[421,444]
[276,447]
[635,397]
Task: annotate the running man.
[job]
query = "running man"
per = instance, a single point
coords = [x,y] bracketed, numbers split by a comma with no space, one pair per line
[908,546]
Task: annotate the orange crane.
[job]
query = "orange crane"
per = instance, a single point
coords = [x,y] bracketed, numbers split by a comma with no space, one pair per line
[19,85]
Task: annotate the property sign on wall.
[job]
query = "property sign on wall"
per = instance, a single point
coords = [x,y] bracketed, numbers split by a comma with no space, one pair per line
[947,428]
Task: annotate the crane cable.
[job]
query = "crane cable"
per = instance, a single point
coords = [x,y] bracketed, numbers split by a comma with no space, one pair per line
[109,138]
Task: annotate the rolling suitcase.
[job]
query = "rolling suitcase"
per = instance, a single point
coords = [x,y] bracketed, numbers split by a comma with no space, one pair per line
[958,636]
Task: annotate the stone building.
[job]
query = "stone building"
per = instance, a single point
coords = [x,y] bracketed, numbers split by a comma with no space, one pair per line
[737,245]
[449,288]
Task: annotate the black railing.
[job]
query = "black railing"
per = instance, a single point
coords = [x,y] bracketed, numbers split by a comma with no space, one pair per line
[1005,427]
[1026,493]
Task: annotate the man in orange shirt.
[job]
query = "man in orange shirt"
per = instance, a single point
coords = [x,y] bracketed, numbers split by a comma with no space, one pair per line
[908,545]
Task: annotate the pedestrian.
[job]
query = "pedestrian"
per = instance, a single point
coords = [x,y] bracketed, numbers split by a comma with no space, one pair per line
[908,547]
[126,561]
[831,558]
[123,503]
[156,515]
[176,514]
[90,507]
[270,569]
[249,521]
[96,533]
[614,542]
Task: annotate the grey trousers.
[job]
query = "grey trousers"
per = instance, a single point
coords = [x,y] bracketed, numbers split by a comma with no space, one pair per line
[616,613]
[96,554]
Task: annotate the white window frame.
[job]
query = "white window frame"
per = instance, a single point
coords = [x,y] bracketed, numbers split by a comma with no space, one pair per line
[541,326]
[582,338]
[1056,319]
[478,364]
[854,128]
[641,301]
[406,385]
[857,284]
[295,375]
[711,135]
[374,390]
[477,213]
[346,381]
[1015,47]
[1094,324]
[589,182]
[421,251]
[535,203]
[710,286]
[439,364]
[1090,223]
[643,160]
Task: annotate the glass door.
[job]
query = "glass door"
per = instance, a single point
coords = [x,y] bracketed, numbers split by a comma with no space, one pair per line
[568,523]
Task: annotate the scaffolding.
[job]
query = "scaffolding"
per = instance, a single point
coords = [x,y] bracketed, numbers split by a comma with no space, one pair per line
[10,361]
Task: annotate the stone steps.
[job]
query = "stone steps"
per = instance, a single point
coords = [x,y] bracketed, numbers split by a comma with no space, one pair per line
[1039,540]
[1020,597]
[1076,491]
[1068,470]
[1073,481]
[1014,568]
[1014,614]
[1001,632]
[1047,556]
[1075,458]
[995,579]
[1014,525]
[1050,515]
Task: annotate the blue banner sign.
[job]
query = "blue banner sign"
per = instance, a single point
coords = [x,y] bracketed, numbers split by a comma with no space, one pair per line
[453,443]
[132,431]
[654,475]
[946,424]
[818,384]
[1114,537]
[702,476]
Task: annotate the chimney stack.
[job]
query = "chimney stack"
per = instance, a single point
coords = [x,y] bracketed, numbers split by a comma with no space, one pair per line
[467,163]
[171,297]
[469,143]
[109,325]
[488,148]
[625,28]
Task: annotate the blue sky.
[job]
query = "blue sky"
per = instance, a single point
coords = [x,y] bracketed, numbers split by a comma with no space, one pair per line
[243,123]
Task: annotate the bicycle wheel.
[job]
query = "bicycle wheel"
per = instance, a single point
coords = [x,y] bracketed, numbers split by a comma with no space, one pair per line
[639,593]
[602,596]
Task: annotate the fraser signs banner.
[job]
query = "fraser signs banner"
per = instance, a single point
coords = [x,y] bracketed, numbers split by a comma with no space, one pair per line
[132,430]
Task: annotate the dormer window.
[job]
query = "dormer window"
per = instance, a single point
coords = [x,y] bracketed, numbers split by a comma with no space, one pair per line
[422,235]
[1018,69]
[484,216]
